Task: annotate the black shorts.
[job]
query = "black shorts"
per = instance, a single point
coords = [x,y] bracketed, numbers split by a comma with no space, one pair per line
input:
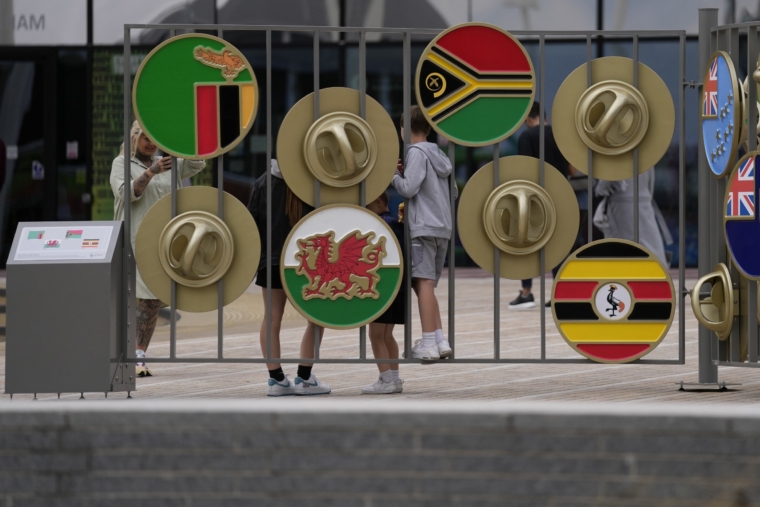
[261,278]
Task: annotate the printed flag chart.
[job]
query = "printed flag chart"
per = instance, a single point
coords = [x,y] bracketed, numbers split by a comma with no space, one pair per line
[740,222]
[613,301]
[195,96]
[721,113]
[475,84]
[341,266]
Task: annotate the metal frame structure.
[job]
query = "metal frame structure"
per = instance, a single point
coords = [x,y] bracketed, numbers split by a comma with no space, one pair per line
[406,35]
[733,39]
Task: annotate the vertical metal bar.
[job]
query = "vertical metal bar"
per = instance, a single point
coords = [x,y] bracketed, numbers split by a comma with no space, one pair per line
[407,96]
[173,309]
[129,261]
[752,146]
[718,248]
[452,249]
[708,372]
[316,181]
[681,201]
[220,214]
[496,269]
[636,150]
[590,154]
[220,283]
[363,184]
[541,162]
[268,168]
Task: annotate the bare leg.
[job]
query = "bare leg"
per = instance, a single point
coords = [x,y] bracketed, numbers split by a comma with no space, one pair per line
[430,315]
[307,343]
[147,315]
[377,334]
[391,345]
[278,308]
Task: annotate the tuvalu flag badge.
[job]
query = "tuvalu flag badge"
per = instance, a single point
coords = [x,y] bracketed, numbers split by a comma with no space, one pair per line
[341,266]
[475,84]
[195,96]
[613,301]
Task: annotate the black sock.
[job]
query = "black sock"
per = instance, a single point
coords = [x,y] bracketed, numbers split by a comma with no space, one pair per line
[304,372]
[277,374]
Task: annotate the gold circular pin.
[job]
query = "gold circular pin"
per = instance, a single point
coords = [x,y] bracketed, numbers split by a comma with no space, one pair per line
[339,151]
[715,312]
[744,134]
[197,249]
[518,217]
[612,118]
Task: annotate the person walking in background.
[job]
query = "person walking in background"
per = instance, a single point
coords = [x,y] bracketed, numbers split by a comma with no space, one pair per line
[614,216]
[424,181]
[384,345]
[287,210]
[150,180]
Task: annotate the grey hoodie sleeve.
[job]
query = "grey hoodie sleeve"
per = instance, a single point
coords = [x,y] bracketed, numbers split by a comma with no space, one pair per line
[414,174]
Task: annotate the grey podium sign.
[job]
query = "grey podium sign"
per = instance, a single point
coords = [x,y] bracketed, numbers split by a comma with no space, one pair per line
[66,309]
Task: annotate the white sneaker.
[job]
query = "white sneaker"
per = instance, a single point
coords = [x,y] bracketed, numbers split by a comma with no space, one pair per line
[419,351]
[398,385]
[310,387]
[444,349]
[381,387]
[284,388]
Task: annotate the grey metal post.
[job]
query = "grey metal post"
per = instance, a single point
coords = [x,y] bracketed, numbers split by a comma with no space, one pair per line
[268,168]
[317,334]
[220,214]
[590,153]
[708,372]
[541,182]
[496,269]
[682,202]
[752,146]
[130,268]
[452,248]
[636,150]
[407,62]
[363,184]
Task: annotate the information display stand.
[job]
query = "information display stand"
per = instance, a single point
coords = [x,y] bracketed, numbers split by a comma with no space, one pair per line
[66,309]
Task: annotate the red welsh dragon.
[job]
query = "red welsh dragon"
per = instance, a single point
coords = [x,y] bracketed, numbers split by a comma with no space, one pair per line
[334,273]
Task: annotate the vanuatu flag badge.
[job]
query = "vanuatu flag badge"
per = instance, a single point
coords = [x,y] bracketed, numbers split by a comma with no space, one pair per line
[195,96]
[613,301]
[341,266]
[475,84]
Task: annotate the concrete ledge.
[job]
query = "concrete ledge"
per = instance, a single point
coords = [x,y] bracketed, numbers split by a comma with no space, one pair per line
[314,452]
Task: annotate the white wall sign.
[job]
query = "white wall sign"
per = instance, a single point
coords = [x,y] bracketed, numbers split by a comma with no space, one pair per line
[38,170]
[44,22]
[40,243]
[11,152]
[72,150]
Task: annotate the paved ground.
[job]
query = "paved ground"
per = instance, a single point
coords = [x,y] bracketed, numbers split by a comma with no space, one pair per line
[520,338]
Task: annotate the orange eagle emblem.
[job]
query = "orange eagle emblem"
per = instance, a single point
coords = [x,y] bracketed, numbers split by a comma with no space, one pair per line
[346,268]
[230,64]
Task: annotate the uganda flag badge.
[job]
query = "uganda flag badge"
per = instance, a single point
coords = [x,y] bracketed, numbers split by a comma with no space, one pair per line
[195,96]
[475,84]
[341,266]
[613,301]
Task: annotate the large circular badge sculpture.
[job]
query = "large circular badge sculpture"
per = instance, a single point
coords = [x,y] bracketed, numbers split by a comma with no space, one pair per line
[339,150]
[196,249]
[475,84]
[613,301]
[740,221]
[341,266]
[519,217]
[195,96]
[721,114]
[612,117]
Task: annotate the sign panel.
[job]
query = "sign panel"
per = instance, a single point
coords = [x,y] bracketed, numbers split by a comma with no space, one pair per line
[41,243]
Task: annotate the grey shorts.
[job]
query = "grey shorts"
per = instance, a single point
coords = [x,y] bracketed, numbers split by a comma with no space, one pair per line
[428,256]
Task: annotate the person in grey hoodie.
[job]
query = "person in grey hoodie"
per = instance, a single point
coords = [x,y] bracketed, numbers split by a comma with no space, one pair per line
[424,181]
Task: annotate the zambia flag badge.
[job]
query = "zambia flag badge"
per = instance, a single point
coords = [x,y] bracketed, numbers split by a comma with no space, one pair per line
[475,84]
[341,266]
[613,301]
[195,96]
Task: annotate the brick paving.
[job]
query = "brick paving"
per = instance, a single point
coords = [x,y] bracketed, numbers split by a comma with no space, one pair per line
[520,338]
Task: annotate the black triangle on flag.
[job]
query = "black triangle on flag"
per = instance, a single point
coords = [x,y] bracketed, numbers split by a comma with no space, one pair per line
[436,84]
